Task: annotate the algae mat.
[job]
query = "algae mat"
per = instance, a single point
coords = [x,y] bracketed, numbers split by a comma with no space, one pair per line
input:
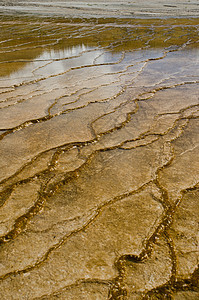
[99,158]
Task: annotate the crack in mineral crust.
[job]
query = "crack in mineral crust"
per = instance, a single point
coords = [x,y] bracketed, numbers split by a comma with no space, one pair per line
[99,158]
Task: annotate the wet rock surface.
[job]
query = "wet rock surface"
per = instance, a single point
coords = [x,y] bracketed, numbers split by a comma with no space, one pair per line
[99,158]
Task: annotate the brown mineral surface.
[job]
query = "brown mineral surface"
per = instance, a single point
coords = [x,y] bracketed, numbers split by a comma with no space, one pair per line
[99,153]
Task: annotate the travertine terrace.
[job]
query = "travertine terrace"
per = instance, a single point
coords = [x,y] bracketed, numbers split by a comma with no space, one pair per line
[99,158]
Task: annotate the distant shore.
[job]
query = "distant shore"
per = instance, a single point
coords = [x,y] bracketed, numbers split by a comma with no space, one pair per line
[102,8]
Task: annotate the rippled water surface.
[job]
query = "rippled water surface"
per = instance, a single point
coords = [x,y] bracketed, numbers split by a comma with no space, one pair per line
[99,158]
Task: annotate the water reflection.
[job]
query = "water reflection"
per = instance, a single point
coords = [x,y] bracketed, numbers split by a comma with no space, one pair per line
[63,53]
[24,41]
[51,58]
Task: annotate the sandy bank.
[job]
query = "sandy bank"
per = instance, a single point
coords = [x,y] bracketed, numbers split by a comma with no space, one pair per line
[101,8]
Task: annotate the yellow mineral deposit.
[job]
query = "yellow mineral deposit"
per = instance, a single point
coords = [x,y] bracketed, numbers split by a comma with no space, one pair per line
[99,158]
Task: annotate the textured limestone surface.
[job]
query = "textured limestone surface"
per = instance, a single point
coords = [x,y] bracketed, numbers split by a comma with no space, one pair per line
[186,295]
[99,156]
